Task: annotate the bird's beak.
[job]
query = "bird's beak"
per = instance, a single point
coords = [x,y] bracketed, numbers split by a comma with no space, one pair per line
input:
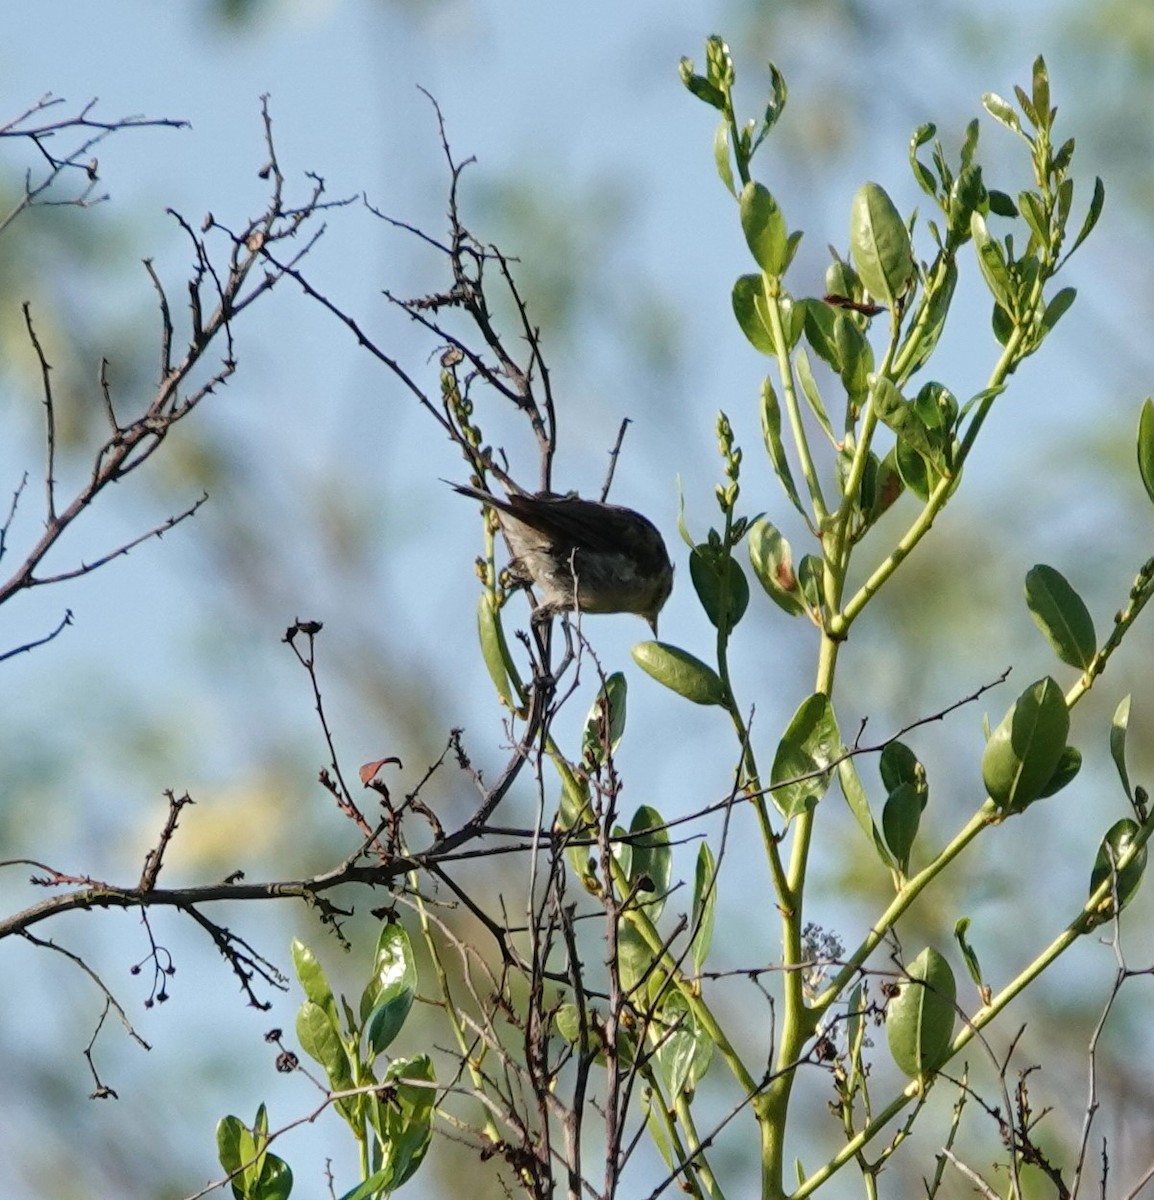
[652,622]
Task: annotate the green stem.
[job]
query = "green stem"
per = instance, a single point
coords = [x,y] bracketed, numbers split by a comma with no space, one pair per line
[799,1021]
[841,622]
[1076,929]
[772,289]
[696,1156]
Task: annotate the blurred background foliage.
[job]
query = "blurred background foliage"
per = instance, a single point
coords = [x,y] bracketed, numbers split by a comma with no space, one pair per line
[594,171]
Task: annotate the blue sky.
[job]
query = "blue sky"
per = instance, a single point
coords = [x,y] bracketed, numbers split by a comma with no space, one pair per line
[577,102]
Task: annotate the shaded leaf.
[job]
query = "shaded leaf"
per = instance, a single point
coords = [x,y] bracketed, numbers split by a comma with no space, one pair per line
[920,1018]
[855,796]
[1118,727]
[1146,446]
[720,584]
[751,309]
[605,724]
[1024,751]
[1061,615]
[704,905]
[494,651]
[1069,764]
[969,956]
[900,818]
[1058,307]
[1097,202]
[651,858]
[774,447]
[1125,883]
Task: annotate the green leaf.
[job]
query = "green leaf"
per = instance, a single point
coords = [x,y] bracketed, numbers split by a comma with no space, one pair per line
[920,1018]
[810,389]
[700,87]
[658,1126]
[313,979]
[1118,728]
[575,817]
[373,1188]
[887,487]
[408,1117]
[684,1048]
[1094,212]
[386,1001]
[1061,615]
[723,155]
[720,584]
[751,309]
[923,336]
[778,95]
[605,724]
[899,765]
[914,471]
[1026,748]
[900,818]
[880,245]
[1058,307]
[231,1136]
[257,1174]
[810,573]
[895,411]
[772,562]
[774,446]
[704,905]
[321,1040]
[855,796]
[634,957]
[1067,769]
[800,775]
[1034,213]
[968,954]
[820,319]
[493,647]
[1126,882]
[922,173]
[854,353]
[1041,92]
[1001,204]
[904,778]
[992,261]
[651,858]
[1001,110]
[967,195]
[765,230]
[679,671]
[1146,446]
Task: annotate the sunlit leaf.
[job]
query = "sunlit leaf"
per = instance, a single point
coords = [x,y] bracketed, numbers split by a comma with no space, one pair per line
[808,747]
[680,671]
[880,245]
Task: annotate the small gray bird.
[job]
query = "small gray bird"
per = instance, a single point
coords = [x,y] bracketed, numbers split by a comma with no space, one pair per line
[612,557]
